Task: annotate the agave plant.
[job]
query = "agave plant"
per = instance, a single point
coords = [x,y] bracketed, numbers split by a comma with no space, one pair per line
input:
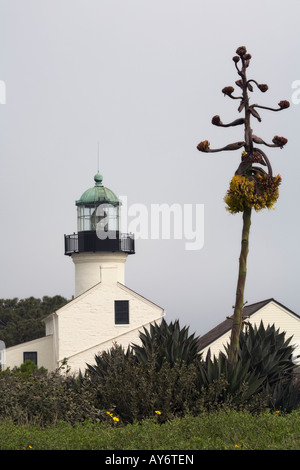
[115,358]
[269,352]
[166,342]
[264,368]
[239,383]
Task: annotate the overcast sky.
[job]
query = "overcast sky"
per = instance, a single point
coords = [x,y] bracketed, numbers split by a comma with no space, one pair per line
[144,78]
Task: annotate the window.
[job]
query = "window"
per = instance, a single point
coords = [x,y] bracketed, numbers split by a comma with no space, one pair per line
[31,356]
[121,312]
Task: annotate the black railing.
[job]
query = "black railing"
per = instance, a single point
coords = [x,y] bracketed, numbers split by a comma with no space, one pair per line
[89,242]
[71,244]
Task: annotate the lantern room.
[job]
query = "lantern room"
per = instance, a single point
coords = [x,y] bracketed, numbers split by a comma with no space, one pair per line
[98,209]
[98,223]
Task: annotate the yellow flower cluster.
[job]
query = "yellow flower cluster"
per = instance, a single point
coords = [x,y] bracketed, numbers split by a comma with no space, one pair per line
[242,193]
[112,416]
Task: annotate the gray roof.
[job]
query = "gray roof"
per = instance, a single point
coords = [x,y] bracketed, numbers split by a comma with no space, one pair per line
[226,325]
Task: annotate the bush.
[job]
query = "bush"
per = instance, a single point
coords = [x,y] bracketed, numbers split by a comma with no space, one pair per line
[121,388]
[28,368]
[135,390]
[155,375]
[44,399]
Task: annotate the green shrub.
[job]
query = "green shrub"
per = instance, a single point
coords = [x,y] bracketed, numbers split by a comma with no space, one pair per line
[28,368]
[160,373]
[121,388]
[44,399]
[135,390]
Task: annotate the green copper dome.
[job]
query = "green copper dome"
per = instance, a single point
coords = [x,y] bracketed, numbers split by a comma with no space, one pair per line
[98,194]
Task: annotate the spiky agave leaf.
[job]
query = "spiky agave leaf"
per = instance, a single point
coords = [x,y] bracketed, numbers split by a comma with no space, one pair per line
[268,350]
[166,342]
[116,356]
[239,382]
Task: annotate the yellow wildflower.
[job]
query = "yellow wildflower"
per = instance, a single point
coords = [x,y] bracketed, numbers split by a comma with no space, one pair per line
[112,416]
[158,412]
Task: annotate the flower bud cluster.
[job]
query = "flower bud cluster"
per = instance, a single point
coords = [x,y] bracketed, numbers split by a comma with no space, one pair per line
[279,141]
[216,121]
[284,104]
[263,87]
[203,146]
[228,90]
[241,51]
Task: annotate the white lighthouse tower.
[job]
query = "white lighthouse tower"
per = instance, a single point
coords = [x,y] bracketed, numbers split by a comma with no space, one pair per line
[99,251]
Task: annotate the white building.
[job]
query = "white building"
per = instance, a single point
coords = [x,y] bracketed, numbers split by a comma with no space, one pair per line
[267,311]
[104,311]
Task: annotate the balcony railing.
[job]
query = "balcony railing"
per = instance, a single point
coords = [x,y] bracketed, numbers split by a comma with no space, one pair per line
[89,242]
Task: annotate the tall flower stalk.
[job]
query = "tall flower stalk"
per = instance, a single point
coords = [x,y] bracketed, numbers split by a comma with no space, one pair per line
[252,187]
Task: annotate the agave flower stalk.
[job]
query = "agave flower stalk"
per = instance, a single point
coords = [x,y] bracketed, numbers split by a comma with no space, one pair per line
[251,187]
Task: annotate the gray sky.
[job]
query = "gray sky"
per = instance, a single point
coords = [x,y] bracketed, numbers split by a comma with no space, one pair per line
[144,78]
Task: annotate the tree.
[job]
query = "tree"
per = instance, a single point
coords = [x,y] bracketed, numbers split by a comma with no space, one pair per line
[251,187]
[21,320]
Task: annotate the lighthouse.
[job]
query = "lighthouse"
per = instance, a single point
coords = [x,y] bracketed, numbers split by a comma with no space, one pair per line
[99,250]
[104,311]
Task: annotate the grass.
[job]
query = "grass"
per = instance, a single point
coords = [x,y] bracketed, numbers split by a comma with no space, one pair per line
[214,431]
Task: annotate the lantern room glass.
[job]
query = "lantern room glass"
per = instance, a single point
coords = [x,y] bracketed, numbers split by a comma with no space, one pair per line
[101,216]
